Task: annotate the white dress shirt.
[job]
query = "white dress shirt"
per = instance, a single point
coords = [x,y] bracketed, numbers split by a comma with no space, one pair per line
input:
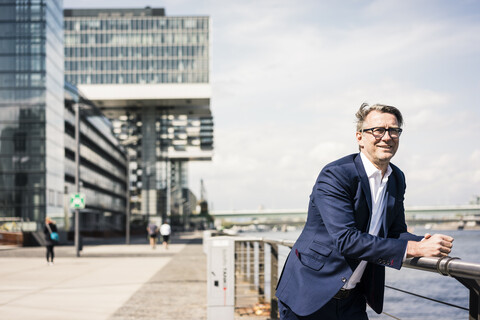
[378,187]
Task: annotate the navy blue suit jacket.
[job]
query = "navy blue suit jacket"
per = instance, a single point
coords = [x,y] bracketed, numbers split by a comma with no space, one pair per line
[335,239]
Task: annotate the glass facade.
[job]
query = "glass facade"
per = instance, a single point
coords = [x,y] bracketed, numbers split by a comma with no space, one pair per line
[103,167]
[135,47]
[31,109]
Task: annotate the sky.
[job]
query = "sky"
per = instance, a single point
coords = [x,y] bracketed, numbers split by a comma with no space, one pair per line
[288,76]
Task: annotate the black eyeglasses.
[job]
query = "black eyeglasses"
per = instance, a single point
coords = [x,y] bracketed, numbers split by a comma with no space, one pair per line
[379,132]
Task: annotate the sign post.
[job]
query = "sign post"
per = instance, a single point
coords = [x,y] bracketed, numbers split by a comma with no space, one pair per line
[77,176]
[77,202]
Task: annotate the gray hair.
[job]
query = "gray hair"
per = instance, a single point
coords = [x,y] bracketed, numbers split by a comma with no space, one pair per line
[365,109]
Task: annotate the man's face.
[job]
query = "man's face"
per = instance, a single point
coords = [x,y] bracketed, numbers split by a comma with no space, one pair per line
[378,151]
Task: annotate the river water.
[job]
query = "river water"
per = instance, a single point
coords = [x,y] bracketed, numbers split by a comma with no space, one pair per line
[432,285]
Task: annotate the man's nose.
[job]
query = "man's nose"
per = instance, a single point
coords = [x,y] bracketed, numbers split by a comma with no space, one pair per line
[386,136]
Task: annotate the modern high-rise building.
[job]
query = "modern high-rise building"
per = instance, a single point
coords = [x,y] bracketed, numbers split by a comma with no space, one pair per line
[31,109]
[37,126]
[149,73]
[102,170]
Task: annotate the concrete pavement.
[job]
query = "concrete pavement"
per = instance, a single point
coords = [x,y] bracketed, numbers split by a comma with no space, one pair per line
[107,282]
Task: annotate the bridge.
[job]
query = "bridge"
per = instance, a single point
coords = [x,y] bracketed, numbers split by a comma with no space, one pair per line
[414,214]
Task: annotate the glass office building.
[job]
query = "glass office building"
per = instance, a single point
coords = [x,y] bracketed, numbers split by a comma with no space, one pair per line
[135,46]
[37,143]
[31,109]
[149,74]
[102,168]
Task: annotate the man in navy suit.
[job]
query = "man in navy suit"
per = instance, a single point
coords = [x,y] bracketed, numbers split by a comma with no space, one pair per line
[355,227]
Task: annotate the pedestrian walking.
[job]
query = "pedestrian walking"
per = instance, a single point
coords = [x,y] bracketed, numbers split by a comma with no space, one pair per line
[51,239]
[152,230]
[165,231]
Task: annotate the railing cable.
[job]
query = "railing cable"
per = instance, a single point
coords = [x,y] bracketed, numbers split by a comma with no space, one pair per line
[387,314]
[427,298]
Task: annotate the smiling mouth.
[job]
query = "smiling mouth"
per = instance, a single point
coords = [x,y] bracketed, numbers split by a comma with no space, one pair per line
[385,147]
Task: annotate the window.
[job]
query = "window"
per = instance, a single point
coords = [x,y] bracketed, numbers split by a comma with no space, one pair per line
[51,197]
[59,199]
[20,141]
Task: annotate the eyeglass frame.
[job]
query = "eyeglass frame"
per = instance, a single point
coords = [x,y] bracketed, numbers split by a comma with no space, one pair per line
[399,130]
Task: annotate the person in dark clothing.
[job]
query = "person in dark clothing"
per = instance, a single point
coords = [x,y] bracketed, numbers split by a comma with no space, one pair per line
[49,228]
[354,229]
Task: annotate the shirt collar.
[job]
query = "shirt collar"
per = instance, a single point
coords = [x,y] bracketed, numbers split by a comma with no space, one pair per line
[371,170]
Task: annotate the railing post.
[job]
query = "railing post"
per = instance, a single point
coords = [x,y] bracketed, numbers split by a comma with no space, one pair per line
[239,257]
[251,267]
[261,270]
[238,261]
[245,260]
[473,286]
[273,281]
[474,309]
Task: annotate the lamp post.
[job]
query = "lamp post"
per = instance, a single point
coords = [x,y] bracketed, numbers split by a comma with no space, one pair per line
[168,189]
[147,205]
[127,204]
[77,176]
[126,144]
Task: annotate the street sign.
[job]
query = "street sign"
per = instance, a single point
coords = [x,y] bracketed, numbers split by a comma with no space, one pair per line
[77,201]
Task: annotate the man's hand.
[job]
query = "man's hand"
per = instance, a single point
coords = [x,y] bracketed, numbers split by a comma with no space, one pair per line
[438,245]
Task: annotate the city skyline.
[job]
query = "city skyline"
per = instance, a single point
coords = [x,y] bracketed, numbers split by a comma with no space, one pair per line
[287,80]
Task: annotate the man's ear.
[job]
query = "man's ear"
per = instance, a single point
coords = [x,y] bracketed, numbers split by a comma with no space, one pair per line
[359,137]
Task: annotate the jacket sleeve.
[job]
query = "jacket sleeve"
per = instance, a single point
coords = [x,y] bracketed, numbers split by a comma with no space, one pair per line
[337,200]
[398,229]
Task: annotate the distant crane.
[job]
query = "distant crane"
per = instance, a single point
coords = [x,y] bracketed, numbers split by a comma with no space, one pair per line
[203,203]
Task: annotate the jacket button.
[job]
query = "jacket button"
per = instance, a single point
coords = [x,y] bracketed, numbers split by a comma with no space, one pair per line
[344,280]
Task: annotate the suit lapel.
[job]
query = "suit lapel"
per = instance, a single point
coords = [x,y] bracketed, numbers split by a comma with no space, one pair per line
[365,184]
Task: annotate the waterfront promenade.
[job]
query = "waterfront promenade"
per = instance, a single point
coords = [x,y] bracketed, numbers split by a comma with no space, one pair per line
[109,281]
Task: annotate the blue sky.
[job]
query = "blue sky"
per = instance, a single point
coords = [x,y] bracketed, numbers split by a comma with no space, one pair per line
[288,76]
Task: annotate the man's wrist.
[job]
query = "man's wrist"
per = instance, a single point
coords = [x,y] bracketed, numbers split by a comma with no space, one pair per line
[405,254]
[411,249]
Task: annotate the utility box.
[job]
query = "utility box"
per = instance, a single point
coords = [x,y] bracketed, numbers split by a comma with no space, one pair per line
[207,234]
[220,278]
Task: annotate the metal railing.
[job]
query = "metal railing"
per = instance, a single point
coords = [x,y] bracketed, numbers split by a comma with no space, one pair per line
[250,277]
[250,280]
[466,273]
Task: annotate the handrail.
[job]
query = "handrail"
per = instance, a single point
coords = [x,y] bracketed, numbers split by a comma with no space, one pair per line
[446,266]
[466,273]
[286,243]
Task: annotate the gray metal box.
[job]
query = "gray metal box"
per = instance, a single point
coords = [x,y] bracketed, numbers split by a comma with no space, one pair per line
[220,278]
